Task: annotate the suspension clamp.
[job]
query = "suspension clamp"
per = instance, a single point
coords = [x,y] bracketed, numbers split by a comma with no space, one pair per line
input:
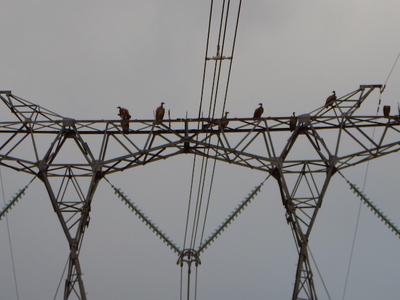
[189,256]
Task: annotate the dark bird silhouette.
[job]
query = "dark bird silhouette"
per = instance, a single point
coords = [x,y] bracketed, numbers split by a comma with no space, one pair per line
[330,100]
[386,111]
[124,113]
[293,122]
[258,112]
[224,121]
[125,117]
[160,111]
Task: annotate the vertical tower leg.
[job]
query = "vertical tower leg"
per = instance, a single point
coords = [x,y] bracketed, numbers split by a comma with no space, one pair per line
[71,196]
[302,188]
[302,198]
[72,210]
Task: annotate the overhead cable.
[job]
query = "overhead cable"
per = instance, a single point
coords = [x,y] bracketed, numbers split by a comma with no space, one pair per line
[10,244]
[319,273]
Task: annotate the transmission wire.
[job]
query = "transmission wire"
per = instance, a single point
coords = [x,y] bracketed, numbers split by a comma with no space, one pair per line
[211,114]
[203,170]
[364,185]
[319,273]
[189,204]
[180,285]
[213,104]
[233,51]
[195,156]
[200,193]
[195,284]
[198,124]
[222,52]
[205,59]
[223,111]
[224,22]
[199,115]
[62,276]
[391,70]
[353,243]
[10,240]
[208,202]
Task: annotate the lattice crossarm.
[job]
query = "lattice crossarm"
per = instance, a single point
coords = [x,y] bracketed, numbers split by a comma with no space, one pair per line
[349,103]
[25,110]
[370,145]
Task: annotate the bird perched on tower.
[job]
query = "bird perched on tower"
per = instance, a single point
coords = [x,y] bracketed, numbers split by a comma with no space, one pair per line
[160,111]
[125,117]
[258,112]
[293,122]
[330,100]
[123,113]
[224,121]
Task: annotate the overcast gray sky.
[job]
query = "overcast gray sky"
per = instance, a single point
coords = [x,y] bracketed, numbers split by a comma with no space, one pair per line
[83,58]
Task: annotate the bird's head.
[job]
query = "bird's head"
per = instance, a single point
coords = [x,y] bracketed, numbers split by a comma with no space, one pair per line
[119,107]
[333,92]
[226,113]
[162,103]
[260,104]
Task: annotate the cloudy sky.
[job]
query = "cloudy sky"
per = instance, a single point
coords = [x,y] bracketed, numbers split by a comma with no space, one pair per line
[84,58]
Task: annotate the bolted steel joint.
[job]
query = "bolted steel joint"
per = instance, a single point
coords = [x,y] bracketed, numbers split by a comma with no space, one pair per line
[68,122]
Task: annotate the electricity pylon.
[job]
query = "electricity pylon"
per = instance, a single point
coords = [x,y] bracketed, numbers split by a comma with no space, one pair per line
[302,153]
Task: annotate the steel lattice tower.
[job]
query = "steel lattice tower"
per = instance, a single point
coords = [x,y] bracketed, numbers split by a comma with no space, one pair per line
[245,142]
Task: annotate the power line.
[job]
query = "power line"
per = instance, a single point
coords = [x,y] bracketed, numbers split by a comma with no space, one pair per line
[62,276]
[223,23]
[214,98]
[233,51]
[203,173]
[208,202]
[198,124]
[195,284]
[353,243]
[181,283]
[319,273]
[391,70]
[10,240]
[189,202]
[211,113]
[205,58]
